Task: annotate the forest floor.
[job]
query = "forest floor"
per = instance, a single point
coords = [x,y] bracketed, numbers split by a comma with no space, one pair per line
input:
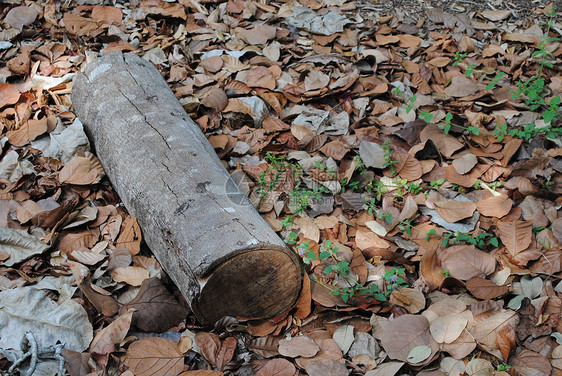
[409,151]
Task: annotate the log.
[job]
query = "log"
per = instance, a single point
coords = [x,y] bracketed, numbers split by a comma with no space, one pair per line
[223,257]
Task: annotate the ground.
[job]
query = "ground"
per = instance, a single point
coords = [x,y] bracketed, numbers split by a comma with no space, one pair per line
[408,152]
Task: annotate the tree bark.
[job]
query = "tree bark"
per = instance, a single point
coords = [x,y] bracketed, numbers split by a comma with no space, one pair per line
[224,258]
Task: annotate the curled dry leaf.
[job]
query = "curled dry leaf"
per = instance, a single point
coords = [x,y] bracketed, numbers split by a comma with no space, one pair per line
[529,362]
[209,343]
[114,333]
[154,356]
[106,13]
[465,163]
[27,132]
[82,169]
[495,206]
[304,302]
[453,211]
[103,303]
[215,98]
[485,330]
[485,289]
[8,95]
[506,340]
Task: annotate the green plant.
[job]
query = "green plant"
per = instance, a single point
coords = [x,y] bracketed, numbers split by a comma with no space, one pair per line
[437,183]
[370,206]
[410,104]
[377,187]
[388,161]
[327,255]
[502,367]
[445,272]
[393,279]
[481,241]
[458,57]
[492,84]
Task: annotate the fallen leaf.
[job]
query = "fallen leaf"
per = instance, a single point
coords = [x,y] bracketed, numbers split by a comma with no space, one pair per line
[405,332]
[344,337]
[411,299]
[506,340]
[154,356]
[465,163]
[516,235]
[465,262]
[479,367]
[8,95]
[21,16]
[27,132]
[83,169]
[156,309]
[277,367]
[495,206]
[453,211]
[114,333]
[461,87]
[385,369]
[19,245]
[298,346]
[131,275]
[446,329]
[485,289]
[106,13]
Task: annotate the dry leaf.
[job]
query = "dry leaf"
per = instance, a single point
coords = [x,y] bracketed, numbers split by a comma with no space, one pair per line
[411,299]
[465,163]
[516,235]
[405,332]
[454,211]
[106,13]
[154,356]
[131,275]
[277,367]
[461,87]
[485,289]
[82,169]
[8,95]
[156,309]
[114,333]
[495,206]
[506,340]
[465,262]
[448,328]
[298,346]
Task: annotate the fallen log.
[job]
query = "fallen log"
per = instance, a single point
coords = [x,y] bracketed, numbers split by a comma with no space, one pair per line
[223,257]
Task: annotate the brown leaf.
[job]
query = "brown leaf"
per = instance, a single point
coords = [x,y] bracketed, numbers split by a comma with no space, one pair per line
[411,299]
[154,356]
[163,8]
[446,143]
[465,163]
[131,275]
[485,289]
[215,98]
[516,235]
[506,340]
[106,13]
[80,26]
[201,372]
[334,149]
[495,206]
[316,80]
[225,353]
[277,367]
[156,309]
[111,335]
[465,262]
[8,95]
[21,16]
[405,332]
[485,330]
[82,169]
[297,346]
[209,343]
[130,237]
[326,367]
[261,77]
[103,303]
[446,329]
[454,211]
[528,362]
[264,346]
[430,269]
[21,63]
[27,132]
[259,34]
[76,363]
[304,302]
[461,87]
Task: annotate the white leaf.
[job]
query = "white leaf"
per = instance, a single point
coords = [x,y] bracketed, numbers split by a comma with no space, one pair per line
[344,337]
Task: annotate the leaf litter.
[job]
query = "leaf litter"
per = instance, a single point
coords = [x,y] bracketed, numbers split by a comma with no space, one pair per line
[421,152]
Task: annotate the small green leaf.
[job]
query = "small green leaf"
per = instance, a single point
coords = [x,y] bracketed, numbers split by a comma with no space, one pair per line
[419,354]
[515,303]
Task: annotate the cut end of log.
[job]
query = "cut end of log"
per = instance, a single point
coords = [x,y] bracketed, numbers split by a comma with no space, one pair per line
[255,284]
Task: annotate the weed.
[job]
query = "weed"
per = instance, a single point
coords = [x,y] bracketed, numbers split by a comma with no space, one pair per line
[370,206]
[481,240]
[437,183]
[388,161]
[445,272]
[393,279]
